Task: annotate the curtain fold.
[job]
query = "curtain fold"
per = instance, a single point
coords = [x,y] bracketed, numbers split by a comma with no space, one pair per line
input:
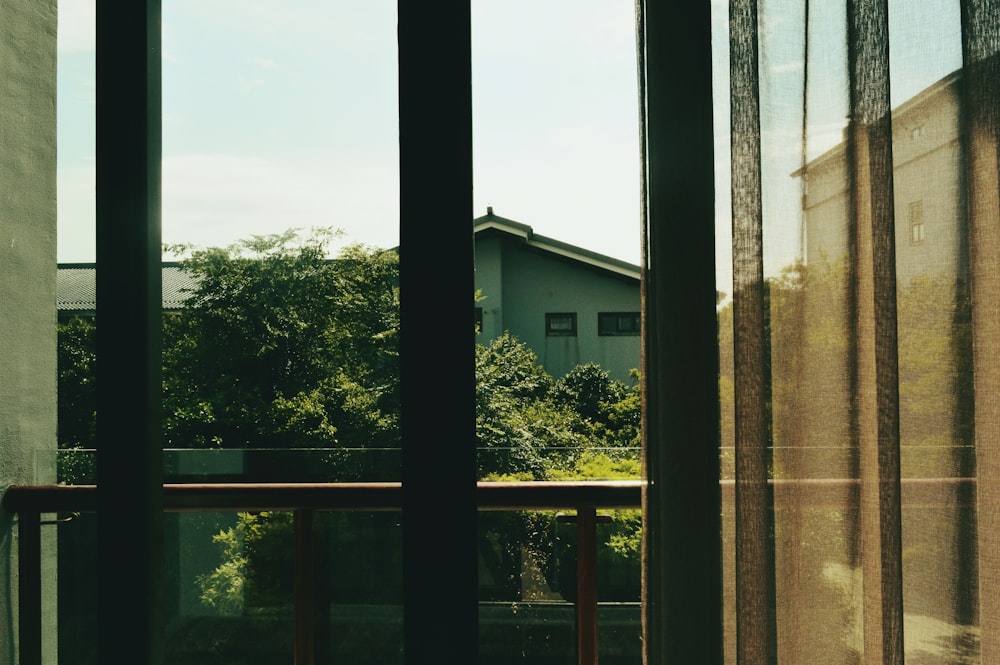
[981,64]
[860,348]
[876,390]
[754,562]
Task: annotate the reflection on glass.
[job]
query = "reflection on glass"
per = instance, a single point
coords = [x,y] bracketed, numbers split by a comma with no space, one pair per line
[528,588]
[232,596]
[819,179]
[231,593]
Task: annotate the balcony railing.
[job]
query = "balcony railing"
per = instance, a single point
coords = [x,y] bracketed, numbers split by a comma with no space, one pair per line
[30,503]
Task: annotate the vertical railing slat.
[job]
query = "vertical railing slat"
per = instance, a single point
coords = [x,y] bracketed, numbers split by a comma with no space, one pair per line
[586,585]
[29,593]
[305,589]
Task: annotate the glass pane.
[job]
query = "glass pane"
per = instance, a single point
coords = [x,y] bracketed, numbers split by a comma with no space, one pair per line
[270,129]
[77,590]
[528,588]
[231,592]
[229,588]
[556,195]
[76,112]
[76,287]
[280,206]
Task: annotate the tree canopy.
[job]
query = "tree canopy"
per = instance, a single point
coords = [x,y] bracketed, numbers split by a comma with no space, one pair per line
[281,347]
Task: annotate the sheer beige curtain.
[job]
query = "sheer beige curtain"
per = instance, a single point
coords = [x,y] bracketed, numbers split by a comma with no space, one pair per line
[860,342]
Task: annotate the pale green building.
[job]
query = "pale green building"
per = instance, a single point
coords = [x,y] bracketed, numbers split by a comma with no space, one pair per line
[568,304]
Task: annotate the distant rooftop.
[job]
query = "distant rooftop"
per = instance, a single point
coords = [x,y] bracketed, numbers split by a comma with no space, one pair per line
[76,283]
[76,287]
[552,246]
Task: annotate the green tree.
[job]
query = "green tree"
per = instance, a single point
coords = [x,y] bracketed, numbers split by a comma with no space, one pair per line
[609,409]
[520,428]
[279,347]
[77,359]
[77,391]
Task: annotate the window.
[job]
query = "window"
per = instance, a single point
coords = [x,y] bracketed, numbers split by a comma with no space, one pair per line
[479,320]
[560,324]
[916,222]
[617,323]
[433,64]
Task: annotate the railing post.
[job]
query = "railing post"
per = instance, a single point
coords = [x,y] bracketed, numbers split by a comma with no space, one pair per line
[305,588]
[29,582]
[586,585]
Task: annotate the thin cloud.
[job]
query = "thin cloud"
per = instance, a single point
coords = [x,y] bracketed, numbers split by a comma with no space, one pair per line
[77,27]
[265,63]
[248,84]
[216,199]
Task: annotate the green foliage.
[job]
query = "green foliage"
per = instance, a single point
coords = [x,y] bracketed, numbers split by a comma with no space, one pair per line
[279,347]
[530,425]
[625,532]
[610,410]
[517,423]
[77,359]
[77,390]
[588,388]
[810,331]
[255,557]
[625,538]
[507,366]
[599,465]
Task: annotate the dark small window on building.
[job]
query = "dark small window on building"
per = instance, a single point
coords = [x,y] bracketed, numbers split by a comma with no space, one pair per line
[618,323]
[916,222]
[479,320]
[560,325]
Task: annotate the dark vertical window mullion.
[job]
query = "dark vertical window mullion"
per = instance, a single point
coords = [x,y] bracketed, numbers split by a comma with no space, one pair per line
[128,338]
[682,621]
[437,371]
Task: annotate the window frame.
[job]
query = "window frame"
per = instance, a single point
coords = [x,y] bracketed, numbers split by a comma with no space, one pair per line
[918,229]
[616,330]
[681,505]
[551,330]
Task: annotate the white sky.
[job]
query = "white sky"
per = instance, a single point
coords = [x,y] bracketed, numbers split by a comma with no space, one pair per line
[282,113]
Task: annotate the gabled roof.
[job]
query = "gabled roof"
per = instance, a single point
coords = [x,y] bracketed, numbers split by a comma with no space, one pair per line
[76,287]
[836,154]
[490,221]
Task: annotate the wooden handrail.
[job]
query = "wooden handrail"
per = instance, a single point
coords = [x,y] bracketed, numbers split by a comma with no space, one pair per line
[30,501]
[212,497]
[543,495]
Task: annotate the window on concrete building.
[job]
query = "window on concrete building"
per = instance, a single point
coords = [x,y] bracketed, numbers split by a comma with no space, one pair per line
[916,213]
[562,324]
[618,323]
